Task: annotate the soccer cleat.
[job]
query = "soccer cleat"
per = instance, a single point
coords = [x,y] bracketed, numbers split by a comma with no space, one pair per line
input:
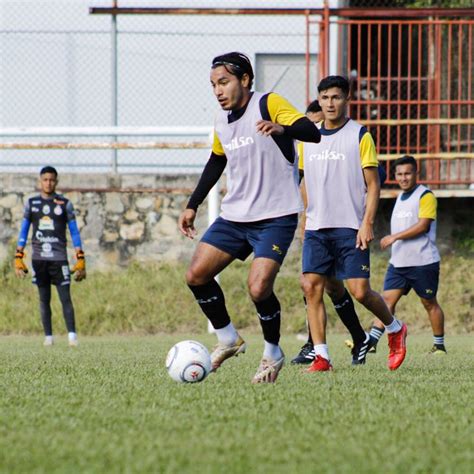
[268,370]
[319,364]
[398,348]
[73,342]
[223,352]
[360,351]
[306,355]
[438,350]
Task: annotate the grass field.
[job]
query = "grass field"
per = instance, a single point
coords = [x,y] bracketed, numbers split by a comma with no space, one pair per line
[109,406]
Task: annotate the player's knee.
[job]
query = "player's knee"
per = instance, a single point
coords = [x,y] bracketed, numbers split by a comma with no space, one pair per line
[311,288]
[429,304]
[361,294]
[194,277]
[259,290]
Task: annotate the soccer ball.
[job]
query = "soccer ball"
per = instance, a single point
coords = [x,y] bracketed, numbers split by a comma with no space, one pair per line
[188,361]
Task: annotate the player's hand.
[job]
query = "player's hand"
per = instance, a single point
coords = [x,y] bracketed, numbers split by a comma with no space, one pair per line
[20,266]
[365,235]
[186,223]
[267,128]
[387,241]
[79,269]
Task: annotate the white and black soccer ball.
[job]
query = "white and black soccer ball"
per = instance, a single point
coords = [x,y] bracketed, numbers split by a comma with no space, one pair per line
[188,361]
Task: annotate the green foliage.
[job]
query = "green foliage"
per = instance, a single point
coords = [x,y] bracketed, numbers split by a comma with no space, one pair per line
[109,406]
[155,299]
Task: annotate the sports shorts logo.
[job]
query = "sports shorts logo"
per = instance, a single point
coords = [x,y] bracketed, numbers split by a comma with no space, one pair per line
[429,291]
[276,248]
[365,268]
[238,142]
[327,155]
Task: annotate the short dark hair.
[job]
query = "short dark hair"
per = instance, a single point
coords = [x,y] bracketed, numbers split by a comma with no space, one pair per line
[314,107]
[48,169]
[406,160]
[236,64]
[334,81]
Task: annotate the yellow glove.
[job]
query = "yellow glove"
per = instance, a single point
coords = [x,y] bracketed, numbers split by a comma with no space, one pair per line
[20,267]
[80,267]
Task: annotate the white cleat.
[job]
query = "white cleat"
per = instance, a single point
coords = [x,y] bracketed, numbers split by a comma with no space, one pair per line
[268,370]
[223,352]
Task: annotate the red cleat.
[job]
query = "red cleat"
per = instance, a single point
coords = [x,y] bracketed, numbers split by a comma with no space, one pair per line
[319,364]
[398,347]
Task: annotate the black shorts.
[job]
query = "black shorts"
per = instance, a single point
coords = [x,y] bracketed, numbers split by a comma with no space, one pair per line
[47,273]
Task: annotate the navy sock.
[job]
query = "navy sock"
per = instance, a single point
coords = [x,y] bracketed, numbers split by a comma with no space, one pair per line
[269,313]
[346,311]
[212,302]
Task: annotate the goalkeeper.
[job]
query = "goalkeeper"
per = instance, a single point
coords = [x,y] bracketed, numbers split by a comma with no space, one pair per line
[49,214]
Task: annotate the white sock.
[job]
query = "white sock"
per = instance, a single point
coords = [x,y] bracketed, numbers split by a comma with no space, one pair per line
[49,338]
[272,351]
[394,326]
[321,350]
[227,335]
[72,336]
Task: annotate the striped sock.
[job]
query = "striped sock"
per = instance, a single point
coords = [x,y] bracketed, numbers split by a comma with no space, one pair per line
[376,333]
[438,340]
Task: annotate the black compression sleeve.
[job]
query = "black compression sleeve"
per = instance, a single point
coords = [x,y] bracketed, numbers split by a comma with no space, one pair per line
[209,177]
[303,130]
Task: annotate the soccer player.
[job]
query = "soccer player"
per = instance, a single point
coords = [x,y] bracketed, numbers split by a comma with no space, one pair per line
[335,289]
[415,259]
[343,188]
[50,214]
[254,136]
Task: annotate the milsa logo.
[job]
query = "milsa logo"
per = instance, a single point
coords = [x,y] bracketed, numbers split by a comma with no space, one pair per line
[238,142]
[327,155]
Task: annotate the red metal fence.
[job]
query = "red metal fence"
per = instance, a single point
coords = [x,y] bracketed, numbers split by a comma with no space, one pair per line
[412,84]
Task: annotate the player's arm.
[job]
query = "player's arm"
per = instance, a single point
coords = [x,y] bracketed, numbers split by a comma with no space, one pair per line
[369,164]
[286,120]
[79,268]
[426,215]
[20,266]
[209,177]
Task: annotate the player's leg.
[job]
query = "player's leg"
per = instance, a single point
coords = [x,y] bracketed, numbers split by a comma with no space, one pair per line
[306,354]
[344,306]
[391,298]
[425,283]
[394,287]
[396,330]
[45,312]
[317,266]
[61,278]
[42,280]
[313,285]
[270,241]
[64,293]
[436,316]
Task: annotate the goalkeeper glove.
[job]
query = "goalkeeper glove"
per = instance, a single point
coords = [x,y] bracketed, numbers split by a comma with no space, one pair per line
[20,267]
[80,267]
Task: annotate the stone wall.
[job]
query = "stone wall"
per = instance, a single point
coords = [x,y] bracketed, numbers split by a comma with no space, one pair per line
[119,222]
[122,221]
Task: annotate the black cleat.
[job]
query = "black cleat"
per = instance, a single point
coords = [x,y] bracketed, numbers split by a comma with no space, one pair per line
[360,351]
[438,349]
[306,355]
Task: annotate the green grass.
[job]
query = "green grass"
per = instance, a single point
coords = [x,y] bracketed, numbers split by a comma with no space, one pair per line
[149,299]
[109,406]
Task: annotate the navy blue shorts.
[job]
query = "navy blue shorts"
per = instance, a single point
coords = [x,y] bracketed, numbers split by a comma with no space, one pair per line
[423,279]
[49,272]
[333,252]
[269,238]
